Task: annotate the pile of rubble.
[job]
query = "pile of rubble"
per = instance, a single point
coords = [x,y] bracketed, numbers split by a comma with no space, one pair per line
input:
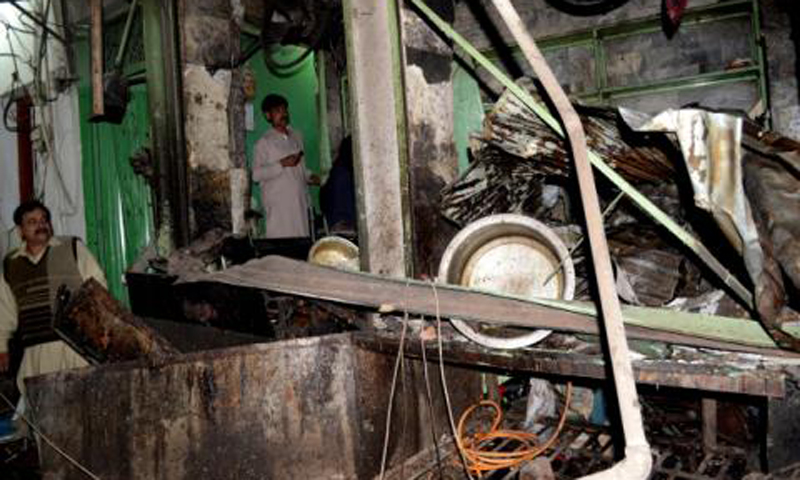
[729,184]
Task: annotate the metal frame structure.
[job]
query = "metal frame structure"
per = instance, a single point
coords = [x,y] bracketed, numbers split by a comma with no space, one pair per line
[597,38]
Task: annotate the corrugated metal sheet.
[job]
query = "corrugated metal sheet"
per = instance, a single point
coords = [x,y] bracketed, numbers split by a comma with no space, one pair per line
[711,147]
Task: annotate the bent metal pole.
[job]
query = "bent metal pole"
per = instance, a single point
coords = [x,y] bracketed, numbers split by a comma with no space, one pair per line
[637,462]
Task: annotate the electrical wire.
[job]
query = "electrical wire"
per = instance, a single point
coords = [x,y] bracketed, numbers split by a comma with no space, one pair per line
[40,67]
[477,448]
[404,416]
[444,384]
[429,397]
[471,450]
[392,390]
[55,447]
[6,110]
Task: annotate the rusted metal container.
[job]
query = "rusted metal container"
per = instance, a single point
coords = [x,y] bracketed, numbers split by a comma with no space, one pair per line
[306,408]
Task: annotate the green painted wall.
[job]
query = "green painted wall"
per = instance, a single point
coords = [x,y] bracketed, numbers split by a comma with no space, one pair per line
[119,222]
[299,85]
[468,112]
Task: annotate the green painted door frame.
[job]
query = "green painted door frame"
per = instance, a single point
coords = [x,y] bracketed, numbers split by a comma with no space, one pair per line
[118,202]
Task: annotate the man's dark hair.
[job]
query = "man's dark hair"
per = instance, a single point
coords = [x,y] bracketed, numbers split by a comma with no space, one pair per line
[273,100]
[27,207]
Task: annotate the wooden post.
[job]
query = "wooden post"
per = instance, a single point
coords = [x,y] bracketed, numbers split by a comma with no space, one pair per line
[24,148]
[98,107]
[709,413]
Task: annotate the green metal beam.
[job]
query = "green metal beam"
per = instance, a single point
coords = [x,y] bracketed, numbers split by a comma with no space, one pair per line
[651,24]
[677,84]
[126,33]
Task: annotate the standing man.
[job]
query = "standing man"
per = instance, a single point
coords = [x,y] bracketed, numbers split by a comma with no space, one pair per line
[32,275]
[279,167]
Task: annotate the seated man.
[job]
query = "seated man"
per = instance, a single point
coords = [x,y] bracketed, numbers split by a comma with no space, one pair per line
[279,166]
[32,275]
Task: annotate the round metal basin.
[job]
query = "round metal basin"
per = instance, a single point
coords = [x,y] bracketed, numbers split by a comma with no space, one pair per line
[336,252]
[510,254]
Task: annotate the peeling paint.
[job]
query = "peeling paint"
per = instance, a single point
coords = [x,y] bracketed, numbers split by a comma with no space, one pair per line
[207,132]
[429,101]
[240,198]
[417,35]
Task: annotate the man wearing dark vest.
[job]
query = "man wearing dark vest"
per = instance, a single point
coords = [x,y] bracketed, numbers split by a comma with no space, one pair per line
[32,274]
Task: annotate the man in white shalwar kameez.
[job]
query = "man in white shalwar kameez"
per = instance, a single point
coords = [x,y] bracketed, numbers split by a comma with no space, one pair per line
[30,280]
[279,168]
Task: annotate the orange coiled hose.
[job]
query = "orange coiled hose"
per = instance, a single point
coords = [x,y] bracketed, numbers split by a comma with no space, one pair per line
[476,448]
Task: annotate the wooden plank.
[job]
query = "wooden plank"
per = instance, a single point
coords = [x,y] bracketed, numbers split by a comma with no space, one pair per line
[709,412]
[386,294]
[98,106]
[661,373]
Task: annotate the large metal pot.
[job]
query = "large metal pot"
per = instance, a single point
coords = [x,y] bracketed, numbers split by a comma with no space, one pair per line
[509,254]
[336,252]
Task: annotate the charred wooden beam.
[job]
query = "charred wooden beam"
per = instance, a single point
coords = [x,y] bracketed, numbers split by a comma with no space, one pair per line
[666,373]
[102,330]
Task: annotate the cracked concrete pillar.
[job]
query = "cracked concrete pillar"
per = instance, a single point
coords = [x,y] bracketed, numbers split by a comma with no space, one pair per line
[214,114]
[377,112]
[433,159]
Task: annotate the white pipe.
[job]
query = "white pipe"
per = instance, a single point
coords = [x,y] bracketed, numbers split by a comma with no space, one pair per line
[638,461]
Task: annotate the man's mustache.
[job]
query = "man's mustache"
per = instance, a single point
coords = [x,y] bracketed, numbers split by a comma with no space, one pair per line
[42,230]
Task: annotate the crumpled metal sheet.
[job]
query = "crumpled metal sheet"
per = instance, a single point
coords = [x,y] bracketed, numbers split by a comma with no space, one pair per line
[772,183]
[711,144]
[711,147]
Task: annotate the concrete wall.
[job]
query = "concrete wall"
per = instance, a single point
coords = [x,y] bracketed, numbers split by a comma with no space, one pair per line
[59,169]
[214,113]
[781,27]
[543,20]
